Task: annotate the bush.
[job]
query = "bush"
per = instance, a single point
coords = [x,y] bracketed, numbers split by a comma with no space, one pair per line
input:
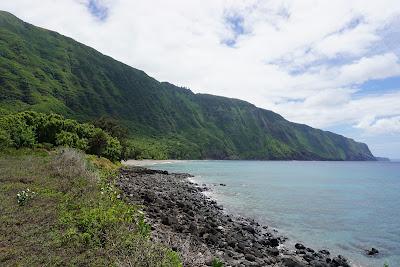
[90,225]
[22,136]
[24,196]
[217,263]
[98,142]
[112,150]
[5,139]
[15,132]
[70,163]
[25,129]
[68,139]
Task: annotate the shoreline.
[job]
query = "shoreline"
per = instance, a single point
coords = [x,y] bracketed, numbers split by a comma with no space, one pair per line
[186,219]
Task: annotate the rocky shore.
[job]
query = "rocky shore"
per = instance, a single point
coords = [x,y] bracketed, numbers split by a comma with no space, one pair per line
[198,228]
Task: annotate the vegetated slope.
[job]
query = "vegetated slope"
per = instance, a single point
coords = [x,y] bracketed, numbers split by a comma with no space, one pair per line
[61,208]
[44,71]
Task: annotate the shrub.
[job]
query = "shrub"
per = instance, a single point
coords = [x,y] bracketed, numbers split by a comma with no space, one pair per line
[98,142]
[68,139]
[16,132]
[90,225]
[24,196]
[143,228]
[113,149]
[217,263]
[5,139]
[25,129]
[71,163]
[22,136]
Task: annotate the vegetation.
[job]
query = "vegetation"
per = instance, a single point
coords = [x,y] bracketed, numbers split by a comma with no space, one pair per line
[77,217]
[44,71]
[24,196]
[32,129]
[217,263]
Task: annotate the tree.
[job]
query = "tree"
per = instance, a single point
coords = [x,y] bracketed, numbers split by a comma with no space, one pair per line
[22,135]
[98,142]
[112,126]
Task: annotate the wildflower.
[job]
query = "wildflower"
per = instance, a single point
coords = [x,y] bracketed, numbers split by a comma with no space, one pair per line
[24,196]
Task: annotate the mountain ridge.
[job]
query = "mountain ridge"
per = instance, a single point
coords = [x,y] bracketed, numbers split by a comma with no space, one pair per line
[45,71]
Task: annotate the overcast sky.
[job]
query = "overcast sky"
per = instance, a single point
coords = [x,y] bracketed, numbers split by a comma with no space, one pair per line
[333,65]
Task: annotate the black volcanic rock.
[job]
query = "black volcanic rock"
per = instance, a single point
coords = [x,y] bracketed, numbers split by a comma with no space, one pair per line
[185,219]
[372,251]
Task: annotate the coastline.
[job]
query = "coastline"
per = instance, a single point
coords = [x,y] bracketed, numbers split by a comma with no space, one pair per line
[185,218]
[148,162]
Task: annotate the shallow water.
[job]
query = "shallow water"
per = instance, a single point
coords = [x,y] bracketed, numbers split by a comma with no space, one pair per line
[345,207]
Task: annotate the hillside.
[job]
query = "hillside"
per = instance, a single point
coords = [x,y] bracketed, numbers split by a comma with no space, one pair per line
[44,71]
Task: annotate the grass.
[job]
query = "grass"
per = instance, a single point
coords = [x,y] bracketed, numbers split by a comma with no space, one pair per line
[76,217]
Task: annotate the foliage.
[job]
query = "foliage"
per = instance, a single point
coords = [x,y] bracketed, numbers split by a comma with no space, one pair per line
[78,217]
[112,126]
[25,196]
[5,139]
[217,263]
[26,129]
[44,71]
[16,133]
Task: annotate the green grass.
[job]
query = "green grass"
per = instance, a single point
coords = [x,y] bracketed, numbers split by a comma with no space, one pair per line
[76,218]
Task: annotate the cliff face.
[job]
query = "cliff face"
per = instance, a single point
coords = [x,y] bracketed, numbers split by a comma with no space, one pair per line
[44,71]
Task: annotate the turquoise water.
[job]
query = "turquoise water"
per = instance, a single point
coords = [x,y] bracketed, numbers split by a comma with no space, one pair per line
[345,207]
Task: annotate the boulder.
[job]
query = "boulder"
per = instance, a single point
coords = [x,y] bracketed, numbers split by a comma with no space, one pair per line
[299,246]
[372,251]
[249,229]
[169,220]
[325,252]
[289,262]
[273,251]
[308,257]
[340,261]
[273,242]
[250,257]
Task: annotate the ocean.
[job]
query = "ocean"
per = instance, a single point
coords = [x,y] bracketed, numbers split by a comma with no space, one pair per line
[345,207]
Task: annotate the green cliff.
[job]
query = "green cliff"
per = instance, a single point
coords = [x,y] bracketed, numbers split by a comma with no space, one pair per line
[44,71]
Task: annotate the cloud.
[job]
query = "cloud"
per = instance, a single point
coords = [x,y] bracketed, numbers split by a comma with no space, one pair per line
[336,107]
[304,59]
[389,125]
[372,68]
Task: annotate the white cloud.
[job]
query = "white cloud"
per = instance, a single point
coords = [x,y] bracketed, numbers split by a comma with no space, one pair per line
[304,59]
[352,42]
[376,67]
[381,126]
[336,107]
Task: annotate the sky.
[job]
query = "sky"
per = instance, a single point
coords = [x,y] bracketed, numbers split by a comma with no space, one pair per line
[333,65]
